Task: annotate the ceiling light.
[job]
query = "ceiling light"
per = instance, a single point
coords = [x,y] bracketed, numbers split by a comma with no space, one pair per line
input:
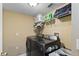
[33,4]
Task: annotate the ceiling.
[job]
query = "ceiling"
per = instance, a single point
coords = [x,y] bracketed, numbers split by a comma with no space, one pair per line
[41,8]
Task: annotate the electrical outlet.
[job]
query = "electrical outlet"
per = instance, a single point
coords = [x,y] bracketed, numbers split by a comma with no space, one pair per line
[17,34]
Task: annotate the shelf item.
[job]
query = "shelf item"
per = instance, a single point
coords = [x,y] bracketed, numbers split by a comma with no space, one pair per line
[64,11]
[49,17]
[38,18]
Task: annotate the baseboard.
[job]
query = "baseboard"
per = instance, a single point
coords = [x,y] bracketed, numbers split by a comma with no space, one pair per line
[23,54]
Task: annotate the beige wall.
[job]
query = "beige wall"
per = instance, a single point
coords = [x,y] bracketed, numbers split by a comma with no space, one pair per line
[22,25]
[16,27]
[63,28]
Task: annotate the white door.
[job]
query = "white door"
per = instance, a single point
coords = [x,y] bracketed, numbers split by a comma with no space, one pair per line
[0,28]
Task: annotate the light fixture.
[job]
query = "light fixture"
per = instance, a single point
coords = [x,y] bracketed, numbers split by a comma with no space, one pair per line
[33,4]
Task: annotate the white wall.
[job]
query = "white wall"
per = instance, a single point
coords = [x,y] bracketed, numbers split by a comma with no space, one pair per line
[0,27]
[75,26]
